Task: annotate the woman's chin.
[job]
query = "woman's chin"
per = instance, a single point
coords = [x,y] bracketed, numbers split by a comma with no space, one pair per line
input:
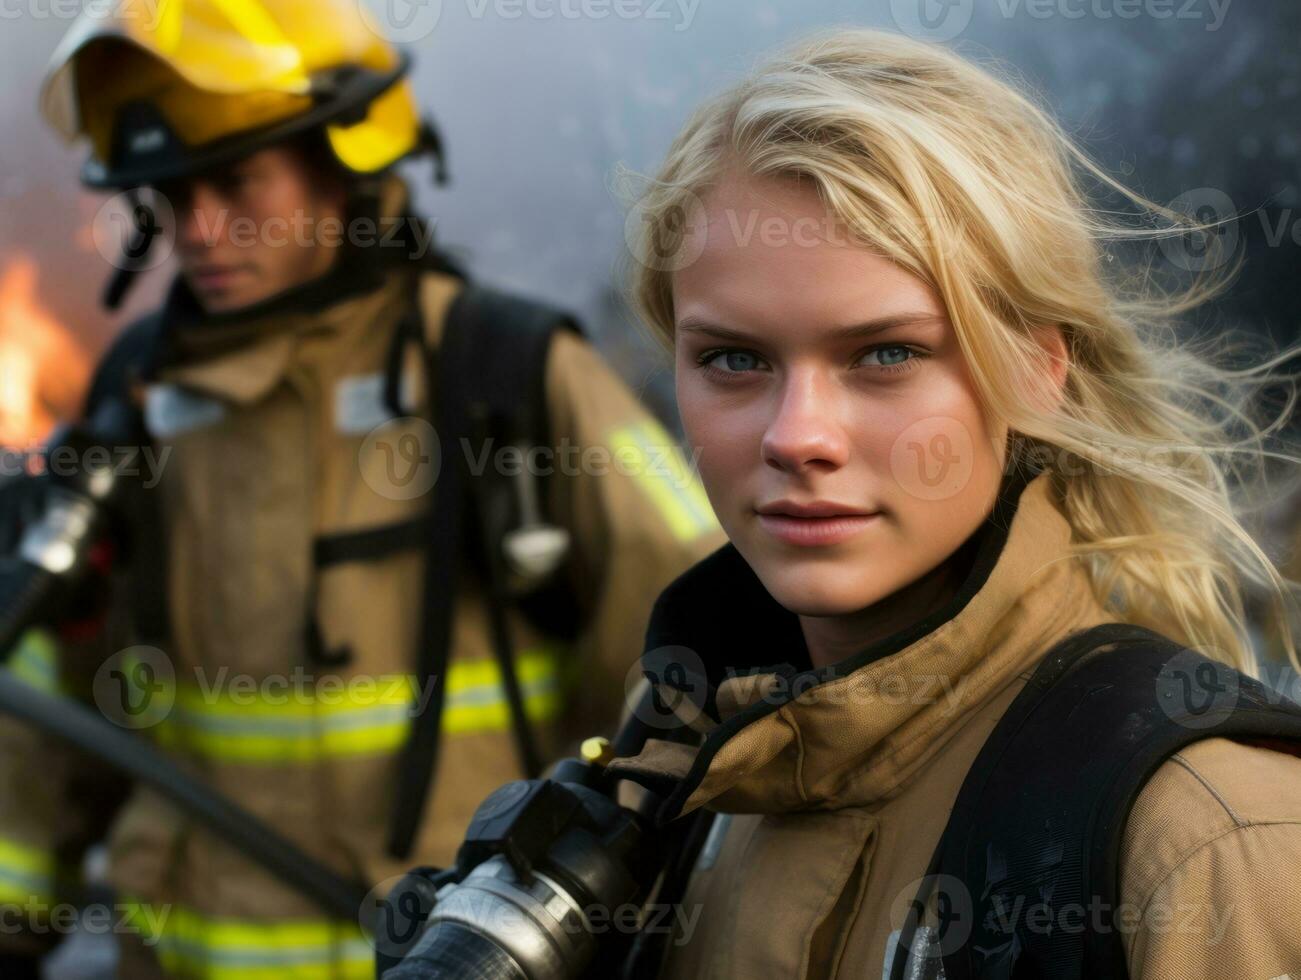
[817,593]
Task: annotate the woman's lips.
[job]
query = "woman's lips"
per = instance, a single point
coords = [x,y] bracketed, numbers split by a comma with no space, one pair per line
[812,531]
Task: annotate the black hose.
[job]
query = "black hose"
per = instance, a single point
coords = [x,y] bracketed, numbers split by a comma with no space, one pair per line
[80,727]
[25,590]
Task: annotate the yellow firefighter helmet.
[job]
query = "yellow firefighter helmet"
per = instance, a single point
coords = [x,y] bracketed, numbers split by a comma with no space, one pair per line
[166,88]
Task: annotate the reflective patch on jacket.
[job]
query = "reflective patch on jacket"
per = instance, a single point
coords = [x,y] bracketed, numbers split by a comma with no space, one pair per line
[928,967]
[367,715]
[26,873]
[193,946]
[35,662]
[171,410]
[359,403]
[647,453]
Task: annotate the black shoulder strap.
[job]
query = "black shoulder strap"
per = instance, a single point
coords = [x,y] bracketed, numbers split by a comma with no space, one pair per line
[133,357]
[511,336]
[510,408]
[1028,865]
[488,379]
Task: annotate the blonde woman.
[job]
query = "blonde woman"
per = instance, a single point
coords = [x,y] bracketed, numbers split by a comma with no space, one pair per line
[944,430]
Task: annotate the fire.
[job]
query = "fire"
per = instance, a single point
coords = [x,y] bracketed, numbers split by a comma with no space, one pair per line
[43,369]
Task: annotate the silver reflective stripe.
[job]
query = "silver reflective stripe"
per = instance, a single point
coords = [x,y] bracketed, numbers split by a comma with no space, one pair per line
[359,403]
[929,967]
[171,410]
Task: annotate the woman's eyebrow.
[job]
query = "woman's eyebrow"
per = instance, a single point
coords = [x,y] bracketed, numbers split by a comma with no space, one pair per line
[856,331]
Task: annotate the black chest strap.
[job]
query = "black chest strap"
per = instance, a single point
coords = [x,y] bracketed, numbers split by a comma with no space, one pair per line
[488,379]
[130,362]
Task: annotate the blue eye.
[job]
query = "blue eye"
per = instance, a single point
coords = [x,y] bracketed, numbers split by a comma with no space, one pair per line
[890,358]
[736,361]
[730,362]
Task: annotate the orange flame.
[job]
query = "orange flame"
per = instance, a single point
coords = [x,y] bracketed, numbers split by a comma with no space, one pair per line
[43,369]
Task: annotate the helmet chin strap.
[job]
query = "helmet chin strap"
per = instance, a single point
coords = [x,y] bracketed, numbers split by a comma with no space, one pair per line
[431,142]
[145,229]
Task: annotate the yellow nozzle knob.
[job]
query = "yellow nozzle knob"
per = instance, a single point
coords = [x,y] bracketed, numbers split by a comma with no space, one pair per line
[597,750]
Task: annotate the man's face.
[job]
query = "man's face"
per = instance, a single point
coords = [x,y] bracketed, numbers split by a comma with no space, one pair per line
[254,228]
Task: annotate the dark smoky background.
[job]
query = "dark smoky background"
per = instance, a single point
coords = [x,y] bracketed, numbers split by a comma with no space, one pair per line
[538,100]
[1193,103]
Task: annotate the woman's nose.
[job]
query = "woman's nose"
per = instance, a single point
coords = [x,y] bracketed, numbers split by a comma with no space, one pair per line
[805,430]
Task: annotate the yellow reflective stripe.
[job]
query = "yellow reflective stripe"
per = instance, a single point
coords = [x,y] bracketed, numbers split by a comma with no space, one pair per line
[292,747]
[357,719]
[660,469]
[26,872]
[36,661]
[284,706]
[196,947]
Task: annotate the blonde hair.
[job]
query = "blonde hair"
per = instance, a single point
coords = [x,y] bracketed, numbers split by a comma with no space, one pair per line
[950,171]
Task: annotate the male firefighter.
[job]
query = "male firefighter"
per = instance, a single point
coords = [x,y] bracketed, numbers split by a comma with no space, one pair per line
[280,595]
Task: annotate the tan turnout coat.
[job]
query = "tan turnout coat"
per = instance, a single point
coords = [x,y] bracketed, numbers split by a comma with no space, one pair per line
[273,435]
[834,802]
